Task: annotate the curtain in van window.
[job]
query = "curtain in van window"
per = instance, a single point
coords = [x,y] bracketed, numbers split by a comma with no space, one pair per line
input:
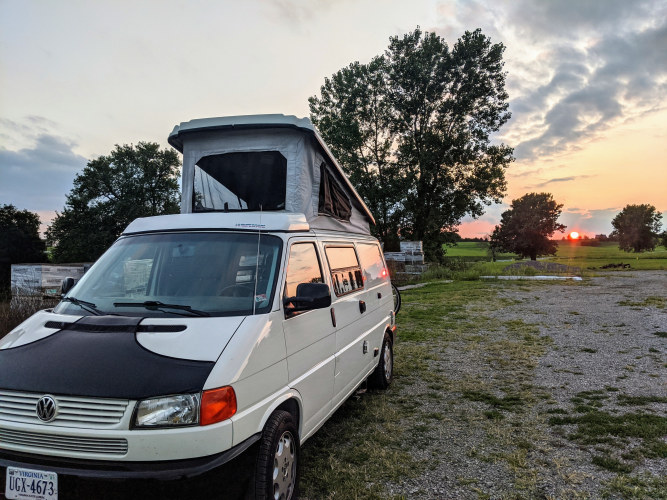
[333,200]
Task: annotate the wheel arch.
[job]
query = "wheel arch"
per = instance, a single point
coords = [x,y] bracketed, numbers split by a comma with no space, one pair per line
[292,406]
[289,402]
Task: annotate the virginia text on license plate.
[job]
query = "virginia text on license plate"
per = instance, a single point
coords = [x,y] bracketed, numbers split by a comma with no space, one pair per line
[29,484]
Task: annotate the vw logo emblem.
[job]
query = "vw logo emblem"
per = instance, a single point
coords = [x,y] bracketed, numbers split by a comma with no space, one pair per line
[46,409]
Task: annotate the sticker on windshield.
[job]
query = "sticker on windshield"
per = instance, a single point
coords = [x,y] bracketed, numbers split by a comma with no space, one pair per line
[260,298]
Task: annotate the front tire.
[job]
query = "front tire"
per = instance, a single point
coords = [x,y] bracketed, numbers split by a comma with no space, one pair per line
[381,377]
[276,470]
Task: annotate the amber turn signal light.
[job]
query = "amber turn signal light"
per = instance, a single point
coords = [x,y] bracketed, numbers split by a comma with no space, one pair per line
[217,405]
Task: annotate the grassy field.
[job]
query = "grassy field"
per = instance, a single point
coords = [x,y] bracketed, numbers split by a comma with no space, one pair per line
[473,249]
[586,257]
[574,254]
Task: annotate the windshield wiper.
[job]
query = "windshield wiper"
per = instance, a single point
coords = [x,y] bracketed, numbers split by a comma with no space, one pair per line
[154,305]
[88,306]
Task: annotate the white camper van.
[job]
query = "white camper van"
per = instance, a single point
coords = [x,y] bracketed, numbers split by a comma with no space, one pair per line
[247,319]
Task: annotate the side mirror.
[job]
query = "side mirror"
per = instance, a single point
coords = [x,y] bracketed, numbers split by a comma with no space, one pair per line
[66,285]
[308,296]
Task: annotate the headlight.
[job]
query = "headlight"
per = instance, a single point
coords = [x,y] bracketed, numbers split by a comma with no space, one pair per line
[167,411]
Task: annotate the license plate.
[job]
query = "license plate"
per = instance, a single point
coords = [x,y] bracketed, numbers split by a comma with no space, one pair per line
[29,484]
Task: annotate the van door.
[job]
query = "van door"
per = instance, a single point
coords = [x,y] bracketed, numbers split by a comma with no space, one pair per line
[353,347]
[309,338]
[377,291]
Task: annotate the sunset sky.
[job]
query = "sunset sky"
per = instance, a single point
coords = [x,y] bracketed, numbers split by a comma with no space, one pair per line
[587,81]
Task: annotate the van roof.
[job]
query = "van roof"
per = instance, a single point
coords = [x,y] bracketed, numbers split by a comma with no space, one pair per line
[240,122]
[187,132]
[238,221]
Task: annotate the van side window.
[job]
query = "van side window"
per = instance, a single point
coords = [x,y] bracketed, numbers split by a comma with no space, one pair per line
[303,267]
[250,180]
[345,269]
[372,264]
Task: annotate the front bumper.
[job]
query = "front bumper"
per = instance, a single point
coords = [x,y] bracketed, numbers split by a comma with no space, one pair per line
[105,469]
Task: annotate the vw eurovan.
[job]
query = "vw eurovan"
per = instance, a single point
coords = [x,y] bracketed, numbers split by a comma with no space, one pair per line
[244,321]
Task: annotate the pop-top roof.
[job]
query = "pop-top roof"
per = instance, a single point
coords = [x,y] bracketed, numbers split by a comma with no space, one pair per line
[239,123]
[204,141]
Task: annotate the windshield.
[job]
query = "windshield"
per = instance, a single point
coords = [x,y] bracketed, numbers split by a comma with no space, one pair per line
[180,274]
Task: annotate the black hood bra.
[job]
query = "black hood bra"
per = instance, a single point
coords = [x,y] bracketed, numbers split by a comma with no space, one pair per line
[98,356]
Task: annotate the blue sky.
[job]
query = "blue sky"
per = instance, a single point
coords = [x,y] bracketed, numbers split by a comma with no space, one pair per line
[587,82]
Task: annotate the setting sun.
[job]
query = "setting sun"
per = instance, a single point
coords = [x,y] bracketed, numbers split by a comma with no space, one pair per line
[574,235]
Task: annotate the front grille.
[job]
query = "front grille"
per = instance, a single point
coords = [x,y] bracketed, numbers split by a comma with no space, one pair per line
[72,411]
[38,441]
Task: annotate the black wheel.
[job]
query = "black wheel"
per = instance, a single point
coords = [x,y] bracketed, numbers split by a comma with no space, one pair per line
[397,298]
[381,377]
[276,471]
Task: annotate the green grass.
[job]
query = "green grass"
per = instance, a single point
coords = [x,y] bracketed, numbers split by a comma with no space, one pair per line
[467,261]
[640,400]
[436,311]
[606,250]
[471,271]
[611,433]
[595,426]
[357,451]
[573,254]
[507,403]
[473,249]
[643,486]
[658,302]
[611,464]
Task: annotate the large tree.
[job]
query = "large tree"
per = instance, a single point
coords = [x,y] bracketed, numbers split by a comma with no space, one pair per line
[19,241]
[113,190]
[355,116]
[413,130]
[637,228]
[526,228]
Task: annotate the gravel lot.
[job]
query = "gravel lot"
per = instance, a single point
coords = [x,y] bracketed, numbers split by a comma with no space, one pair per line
[597,339]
